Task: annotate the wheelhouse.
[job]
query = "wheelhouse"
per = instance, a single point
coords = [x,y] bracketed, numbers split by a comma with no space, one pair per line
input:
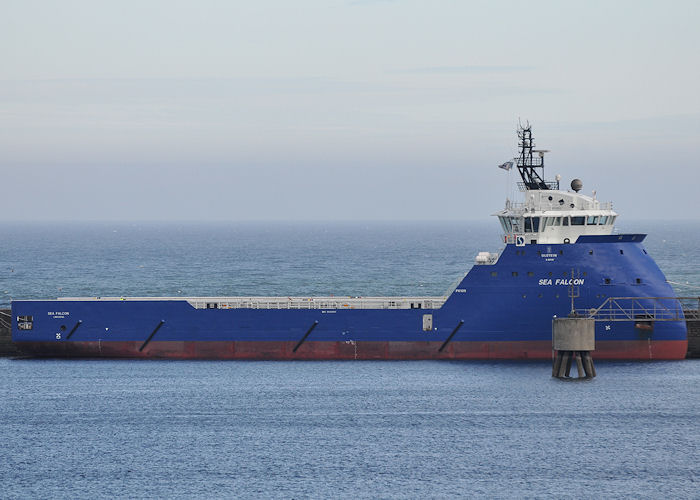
[549,214]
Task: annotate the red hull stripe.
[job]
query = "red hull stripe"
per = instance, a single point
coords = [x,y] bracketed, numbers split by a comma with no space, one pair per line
[311,350]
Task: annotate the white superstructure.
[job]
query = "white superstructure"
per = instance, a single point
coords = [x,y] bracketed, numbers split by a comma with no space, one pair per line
[554,216]
[548,214]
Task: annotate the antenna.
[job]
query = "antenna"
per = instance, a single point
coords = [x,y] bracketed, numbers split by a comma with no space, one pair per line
[527,163]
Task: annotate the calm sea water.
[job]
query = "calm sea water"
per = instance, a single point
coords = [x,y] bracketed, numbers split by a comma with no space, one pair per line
[140,429]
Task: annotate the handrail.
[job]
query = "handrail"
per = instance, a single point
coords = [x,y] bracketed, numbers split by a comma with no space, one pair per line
[551,185]
[555,207]
[615,309]
[330,303]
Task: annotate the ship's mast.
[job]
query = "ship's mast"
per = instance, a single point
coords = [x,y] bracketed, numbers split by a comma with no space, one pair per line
[527,163]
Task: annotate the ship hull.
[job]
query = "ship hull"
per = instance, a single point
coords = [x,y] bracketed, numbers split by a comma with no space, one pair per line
[502,310]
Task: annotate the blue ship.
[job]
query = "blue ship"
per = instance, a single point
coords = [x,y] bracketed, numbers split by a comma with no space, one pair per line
[561,257]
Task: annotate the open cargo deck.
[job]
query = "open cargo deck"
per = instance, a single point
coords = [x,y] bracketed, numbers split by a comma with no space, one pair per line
[331,302]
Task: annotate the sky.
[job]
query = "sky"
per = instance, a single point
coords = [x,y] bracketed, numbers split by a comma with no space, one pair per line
[341,109]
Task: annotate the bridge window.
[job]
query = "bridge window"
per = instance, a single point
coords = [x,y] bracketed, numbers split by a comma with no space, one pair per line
[603,220]
[577,221]
[532,224]
[564,221]
[505,222]
[557,221]
[515,224]
[535,224]
[592,220]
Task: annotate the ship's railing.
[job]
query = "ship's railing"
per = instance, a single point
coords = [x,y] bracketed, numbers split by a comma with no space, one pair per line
[515,207]
[522,208]
[551,185]
[330,303]
[326,303]
[643,309]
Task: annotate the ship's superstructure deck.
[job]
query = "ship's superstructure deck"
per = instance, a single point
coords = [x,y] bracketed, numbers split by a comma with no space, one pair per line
[330,303]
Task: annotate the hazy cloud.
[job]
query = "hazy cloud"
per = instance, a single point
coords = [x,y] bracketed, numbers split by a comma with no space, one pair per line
[316,109]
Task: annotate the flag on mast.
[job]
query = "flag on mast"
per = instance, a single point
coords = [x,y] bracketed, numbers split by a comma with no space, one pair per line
[507,165]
